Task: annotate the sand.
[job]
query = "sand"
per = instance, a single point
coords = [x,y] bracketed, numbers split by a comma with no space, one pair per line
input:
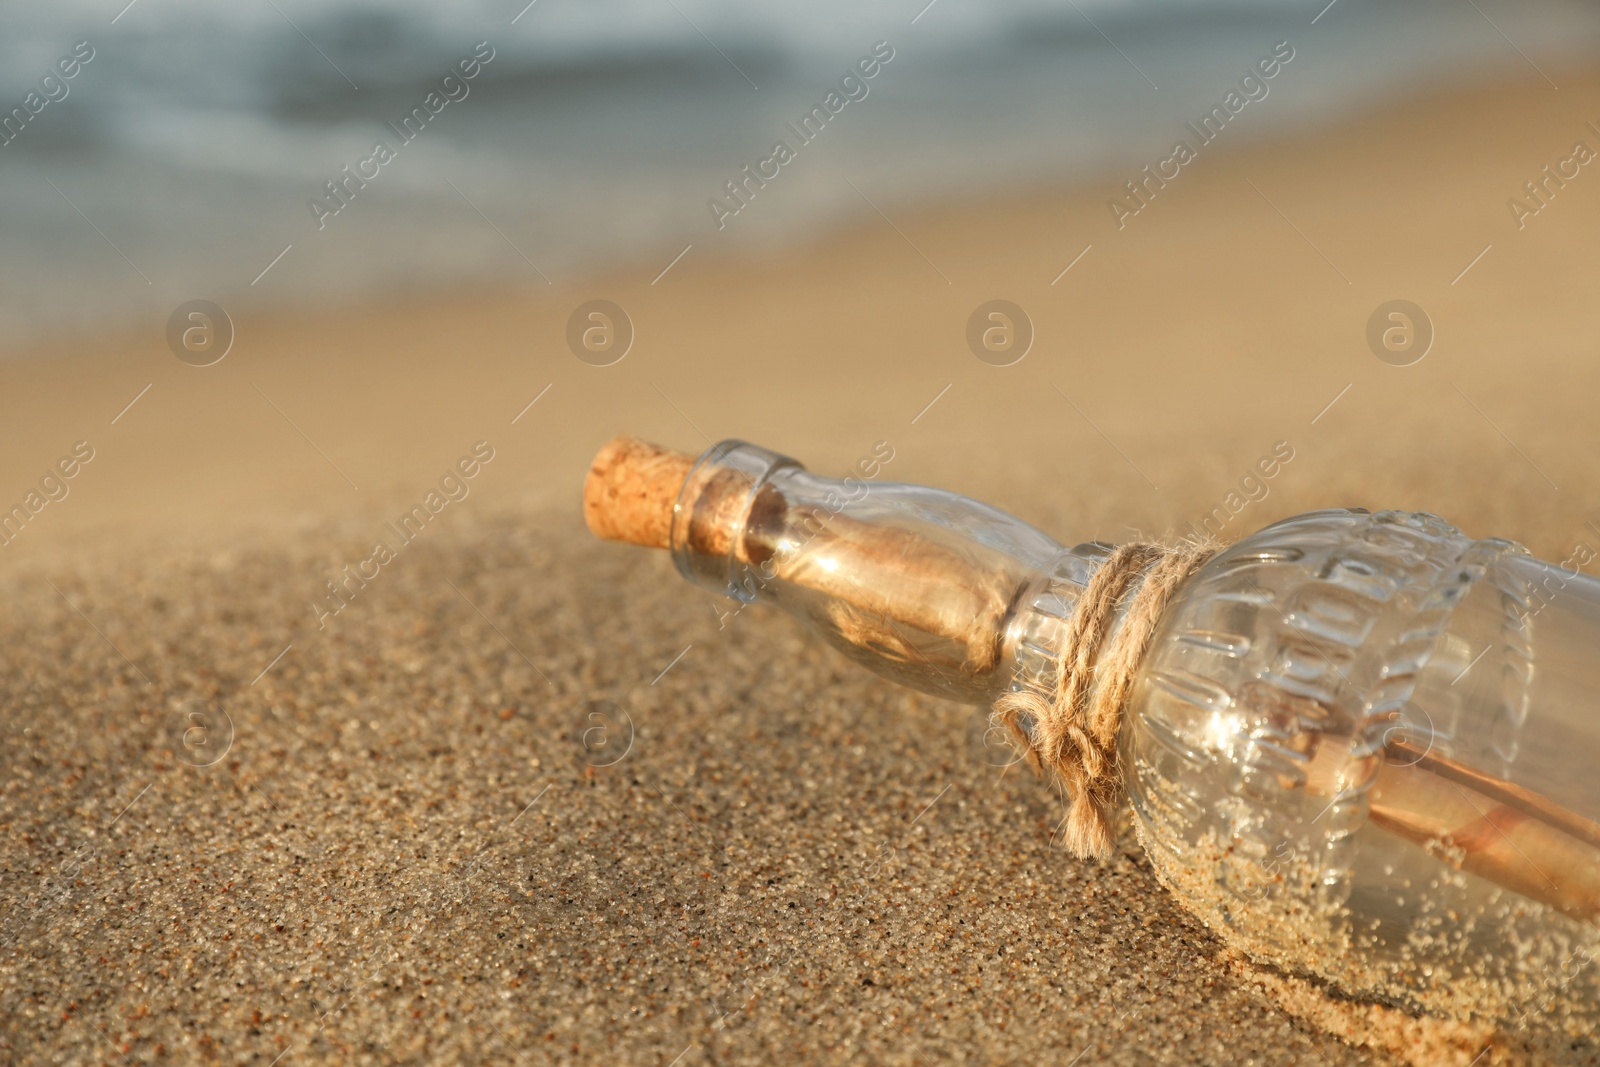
[410,851]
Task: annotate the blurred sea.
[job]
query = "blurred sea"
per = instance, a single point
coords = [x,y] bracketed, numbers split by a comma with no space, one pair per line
[184,155]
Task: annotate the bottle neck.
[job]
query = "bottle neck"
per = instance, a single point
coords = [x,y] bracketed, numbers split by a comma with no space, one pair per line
[931,589]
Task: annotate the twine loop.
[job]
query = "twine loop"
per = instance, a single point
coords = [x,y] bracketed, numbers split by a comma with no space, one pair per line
[1070,732]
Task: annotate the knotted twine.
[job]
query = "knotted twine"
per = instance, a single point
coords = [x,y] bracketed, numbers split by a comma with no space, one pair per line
[1069,732]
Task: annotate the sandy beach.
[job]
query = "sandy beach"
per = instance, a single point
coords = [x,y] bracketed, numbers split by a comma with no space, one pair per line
[412,847]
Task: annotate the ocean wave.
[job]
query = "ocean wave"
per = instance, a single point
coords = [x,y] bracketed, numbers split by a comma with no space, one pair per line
[199,132]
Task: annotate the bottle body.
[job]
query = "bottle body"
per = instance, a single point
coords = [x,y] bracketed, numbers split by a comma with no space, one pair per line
[1364,747]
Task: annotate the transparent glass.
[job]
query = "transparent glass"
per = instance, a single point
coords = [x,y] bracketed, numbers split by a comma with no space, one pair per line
[1365,747]
[915,583]
[1362,746]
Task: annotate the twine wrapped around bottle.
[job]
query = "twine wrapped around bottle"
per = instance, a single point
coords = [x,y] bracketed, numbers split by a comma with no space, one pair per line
[1070,732]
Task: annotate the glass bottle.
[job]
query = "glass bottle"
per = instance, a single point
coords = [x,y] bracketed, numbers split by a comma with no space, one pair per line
[1362,747]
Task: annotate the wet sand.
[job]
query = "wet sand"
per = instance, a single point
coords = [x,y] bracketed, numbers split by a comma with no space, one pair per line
[430,839]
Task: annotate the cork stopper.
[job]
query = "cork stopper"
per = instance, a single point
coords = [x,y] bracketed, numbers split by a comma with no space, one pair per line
[631,490]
